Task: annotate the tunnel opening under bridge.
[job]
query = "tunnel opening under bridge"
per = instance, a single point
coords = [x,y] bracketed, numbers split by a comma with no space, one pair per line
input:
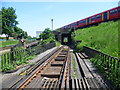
[66,38]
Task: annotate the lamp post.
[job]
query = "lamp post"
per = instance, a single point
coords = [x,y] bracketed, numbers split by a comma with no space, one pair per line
[52,23]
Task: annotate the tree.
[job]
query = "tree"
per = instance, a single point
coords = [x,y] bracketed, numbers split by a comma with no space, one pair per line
[29,37]
[34,38]
[8,21]
[46,37]
[47,33]
[0,22]
[41,36]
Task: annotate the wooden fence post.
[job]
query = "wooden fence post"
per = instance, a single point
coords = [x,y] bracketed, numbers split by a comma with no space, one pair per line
[12,53]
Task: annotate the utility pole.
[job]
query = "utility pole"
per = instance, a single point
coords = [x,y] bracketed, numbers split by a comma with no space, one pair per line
[52,23]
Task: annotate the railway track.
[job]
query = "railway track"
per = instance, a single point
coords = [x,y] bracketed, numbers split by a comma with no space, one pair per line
[57,73]
[88,77]
[53,73]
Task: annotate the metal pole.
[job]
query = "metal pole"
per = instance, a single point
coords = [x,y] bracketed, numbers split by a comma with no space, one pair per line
[52,23]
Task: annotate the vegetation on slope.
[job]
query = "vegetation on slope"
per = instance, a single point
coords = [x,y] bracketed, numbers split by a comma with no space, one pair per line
[8,43]
[103,37]
[57,43]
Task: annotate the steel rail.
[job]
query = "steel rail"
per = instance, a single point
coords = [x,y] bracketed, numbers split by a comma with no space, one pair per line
[34,73]
[65,71]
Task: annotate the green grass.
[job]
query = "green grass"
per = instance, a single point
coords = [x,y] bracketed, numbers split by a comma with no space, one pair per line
[57,43]
[46,41]
[74,66]
[110,71]
[103,37]
[8,42]
[20,58]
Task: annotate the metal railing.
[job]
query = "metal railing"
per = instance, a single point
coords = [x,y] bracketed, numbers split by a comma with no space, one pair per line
[16,57]
[107,64]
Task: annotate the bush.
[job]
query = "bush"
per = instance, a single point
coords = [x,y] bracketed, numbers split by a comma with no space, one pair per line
[79,46]
[8,67]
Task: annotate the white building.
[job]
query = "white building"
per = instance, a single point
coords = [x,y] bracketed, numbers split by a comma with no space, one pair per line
[38,33]
[3,35]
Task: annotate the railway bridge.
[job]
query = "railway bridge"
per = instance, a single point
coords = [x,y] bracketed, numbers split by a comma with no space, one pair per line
[64,36]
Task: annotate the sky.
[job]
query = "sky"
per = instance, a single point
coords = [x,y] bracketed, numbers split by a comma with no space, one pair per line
[36,15]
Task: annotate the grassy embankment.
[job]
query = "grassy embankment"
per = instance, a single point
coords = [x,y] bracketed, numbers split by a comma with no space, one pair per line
[8,43]
[103,37]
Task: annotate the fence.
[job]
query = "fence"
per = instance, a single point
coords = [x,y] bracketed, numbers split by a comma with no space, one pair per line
[107,64]
[16,57]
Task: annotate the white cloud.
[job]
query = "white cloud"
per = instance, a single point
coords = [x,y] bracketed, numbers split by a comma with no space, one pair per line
[60,0]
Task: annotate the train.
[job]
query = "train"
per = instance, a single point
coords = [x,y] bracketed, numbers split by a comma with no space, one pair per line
[112,14]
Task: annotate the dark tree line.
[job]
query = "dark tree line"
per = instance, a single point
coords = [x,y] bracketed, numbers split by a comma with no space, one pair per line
[9,24]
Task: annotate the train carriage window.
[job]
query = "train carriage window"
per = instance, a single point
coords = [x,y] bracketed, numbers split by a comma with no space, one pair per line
[98,16]
[66,27]
[118,9]
[113,11]
[83,21]
[93,18]
[80,22]
[73,24]
[69,26]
